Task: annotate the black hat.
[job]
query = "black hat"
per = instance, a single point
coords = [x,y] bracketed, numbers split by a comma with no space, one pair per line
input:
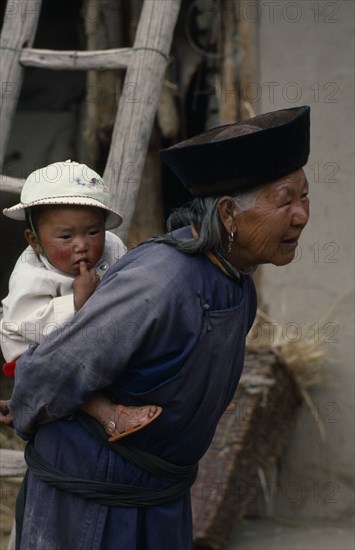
[240,156]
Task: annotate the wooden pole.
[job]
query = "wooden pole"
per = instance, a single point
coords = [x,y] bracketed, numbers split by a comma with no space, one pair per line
[12,463]
[114,58]
[148,219]
[19,29]
[248,67]
[248,78]
[229,96]
[103,32]
[138,105]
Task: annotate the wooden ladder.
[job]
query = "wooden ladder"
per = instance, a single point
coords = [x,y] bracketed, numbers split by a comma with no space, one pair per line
[145,63]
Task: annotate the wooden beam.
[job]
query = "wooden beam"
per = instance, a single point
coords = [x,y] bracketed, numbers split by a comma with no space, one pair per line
[10,185]
[19,28]
[138,105]
[115,58]
[12,463]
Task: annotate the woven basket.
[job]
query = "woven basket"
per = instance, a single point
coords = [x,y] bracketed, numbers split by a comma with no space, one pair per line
[250,437]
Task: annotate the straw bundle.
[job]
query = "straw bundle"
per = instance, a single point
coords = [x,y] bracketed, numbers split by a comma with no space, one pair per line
[302,353]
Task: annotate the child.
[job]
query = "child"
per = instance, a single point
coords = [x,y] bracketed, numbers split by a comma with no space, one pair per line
[66,206]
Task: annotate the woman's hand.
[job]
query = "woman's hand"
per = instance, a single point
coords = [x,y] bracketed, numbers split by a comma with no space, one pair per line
[6,418]
[84,285]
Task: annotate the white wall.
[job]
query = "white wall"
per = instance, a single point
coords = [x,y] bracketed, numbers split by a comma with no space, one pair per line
[306,56]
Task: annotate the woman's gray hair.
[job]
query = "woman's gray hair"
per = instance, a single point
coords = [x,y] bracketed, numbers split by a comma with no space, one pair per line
[202,213]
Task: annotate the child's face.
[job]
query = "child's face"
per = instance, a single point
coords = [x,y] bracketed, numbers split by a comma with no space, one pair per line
[69,235]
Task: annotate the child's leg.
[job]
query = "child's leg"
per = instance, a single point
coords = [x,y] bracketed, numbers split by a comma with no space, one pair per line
[9,368]
[119,420]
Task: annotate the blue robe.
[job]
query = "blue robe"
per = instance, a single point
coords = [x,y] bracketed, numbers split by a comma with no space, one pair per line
[162,328]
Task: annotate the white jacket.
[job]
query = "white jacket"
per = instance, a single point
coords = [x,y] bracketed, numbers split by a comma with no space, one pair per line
[41,298]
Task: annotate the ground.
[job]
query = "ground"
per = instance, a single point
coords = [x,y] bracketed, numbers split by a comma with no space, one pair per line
[263,534]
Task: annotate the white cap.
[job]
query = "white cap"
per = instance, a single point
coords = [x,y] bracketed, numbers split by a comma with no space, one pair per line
[65,183]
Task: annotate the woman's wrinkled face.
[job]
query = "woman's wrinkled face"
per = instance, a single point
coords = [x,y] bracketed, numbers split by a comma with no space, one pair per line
[269,232]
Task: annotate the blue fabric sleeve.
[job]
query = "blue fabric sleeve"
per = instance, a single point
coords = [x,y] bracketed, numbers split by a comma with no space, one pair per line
[137,303]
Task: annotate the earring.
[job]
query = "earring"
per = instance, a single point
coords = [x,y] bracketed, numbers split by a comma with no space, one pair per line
[230,242]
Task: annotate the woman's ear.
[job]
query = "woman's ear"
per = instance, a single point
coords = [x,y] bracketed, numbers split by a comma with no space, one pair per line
[32,240]
[228,212]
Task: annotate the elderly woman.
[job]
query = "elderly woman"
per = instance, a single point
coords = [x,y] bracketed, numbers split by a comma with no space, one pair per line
[167,325]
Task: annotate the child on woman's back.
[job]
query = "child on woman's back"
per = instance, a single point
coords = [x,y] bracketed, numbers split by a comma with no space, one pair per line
[66,206]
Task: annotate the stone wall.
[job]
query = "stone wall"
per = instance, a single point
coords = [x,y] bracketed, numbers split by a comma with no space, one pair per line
[306,56]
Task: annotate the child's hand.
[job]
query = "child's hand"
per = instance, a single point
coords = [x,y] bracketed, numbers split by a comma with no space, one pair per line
[84,285]
[6,417]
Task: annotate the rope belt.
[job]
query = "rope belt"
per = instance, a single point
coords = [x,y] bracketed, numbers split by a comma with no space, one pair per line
[113,494]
